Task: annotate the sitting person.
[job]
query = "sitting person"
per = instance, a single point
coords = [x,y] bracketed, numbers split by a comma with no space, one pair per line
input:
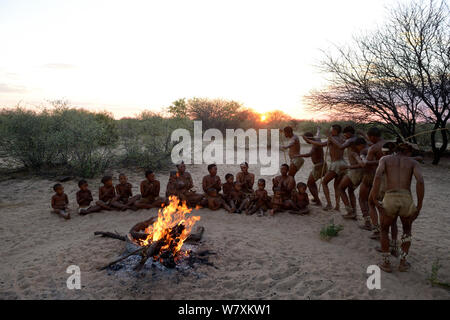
[228,188]
[184,186]
[215,201]
[60,202]
[260,200]
[277,201]
[171,189]
[150,188]
[300,199]
[107,198]
[239,198]
[283,185]
[125,194]
[84,199]
[246,178]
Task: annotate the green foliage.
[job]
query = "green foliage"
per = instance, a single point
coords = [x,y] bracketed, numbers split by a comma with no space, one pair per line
[330,230]
[146,140]
[434,275]
[77,141]
[179,109]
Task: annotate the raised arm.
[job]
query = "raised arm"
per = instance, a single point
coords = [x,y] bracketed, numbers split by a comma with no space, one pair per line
[316,143]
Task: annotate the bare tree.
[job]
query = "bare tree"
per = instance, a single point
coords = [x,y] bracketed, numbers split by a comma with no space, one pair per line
[398,74]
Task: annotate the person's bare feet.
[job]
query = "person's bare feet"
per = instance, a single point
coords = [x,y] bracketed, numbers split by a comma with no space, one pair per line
[349,216]
[385,266]
[317,203]
[272,212]
[328,207]
[404,266]
[337,208]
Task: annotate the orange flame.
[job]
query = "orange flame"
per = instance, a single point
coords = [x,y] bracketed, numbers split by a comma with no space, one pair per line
[170,216]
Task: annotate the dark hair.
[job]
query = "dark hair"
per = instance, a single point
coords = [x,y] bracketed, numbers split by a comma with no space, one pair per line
[309,134]
[390,145]
[210,166]
[337,127]
[404,148]
[374,132]
[301,184]
[179,164]
[244,163]
[81,182]
[173,173]
[122,175]
[359,141]
[285,165]
[106,178]
[57,186]
[288,129]
[262,181]
[228,175]
[147,172]
[349,129]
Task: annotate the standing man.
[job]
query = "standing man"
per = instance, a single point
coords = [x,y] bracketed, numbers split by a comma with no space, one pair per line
[398,170]
[368,209]
[335,171]
[294,151]
[319,166]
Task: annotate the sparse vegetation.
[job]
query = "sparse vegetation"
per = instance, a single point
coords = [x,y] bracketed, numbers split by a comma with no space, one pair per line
[434,275]
[330,230]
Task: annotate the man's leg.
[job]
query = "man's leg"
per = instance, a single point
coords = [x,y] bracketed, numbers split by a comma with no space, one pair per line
[346,183]
[386,222]
[394,235]
[292,170]
[364,190]
[326,179]
[312,186]
[337,193]
[405,244]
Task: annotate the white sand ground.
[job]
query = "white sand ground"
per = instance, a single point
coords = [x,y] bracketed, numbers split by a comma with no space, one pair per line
[278,257]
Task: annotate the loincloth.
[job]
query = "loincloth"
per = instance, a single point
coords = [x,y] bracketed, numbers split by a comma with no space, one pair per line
[319,170]
[335,166]
[398,202]
[355,176]
[297,162]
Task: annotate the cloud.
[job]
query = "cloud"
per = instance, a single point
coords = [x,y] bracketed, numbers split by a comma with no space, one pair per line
[59,66]
[7,88]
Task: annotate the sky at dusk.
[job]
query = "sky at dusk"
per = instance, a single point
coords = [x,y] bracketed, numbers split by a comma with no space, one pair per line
[129,56]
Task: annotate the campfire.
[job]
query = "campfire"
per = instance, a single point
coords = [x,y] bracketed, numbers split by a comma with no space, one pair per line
[161,238]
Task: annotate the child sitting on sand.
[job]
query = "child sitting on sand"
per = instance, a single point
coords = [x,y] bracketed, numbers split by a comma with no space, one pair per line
[228,188]
[107,195]
[277,201]
[260,200]
[239,198]
[215,201]
[171,189]
[60,202]
[300,199]
[84,199]
[125,193]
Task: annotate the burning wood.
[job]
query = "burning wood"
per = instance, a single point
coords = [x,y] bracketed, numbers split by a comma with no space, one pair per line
[163,236]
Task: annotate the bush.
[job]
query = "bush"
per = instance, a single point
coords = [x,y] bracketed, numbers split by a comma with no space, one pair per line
[331,230]
[77,141]
[146,140]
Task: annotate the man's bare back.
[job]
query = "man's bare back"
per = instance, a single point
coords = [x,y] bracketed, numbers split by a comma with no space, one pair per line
[399,171]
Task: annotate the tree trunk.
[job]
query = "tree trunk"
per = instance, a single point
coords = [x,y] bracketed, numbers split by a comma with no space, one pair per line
[438,152]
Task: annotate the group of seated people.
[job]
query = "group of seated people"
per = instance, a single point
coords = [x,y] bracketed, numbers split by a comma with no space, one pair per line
[237,196]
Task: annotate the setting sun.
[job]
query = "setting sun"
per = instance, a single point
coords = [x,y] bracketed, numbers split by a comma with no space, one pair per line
[263,117]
